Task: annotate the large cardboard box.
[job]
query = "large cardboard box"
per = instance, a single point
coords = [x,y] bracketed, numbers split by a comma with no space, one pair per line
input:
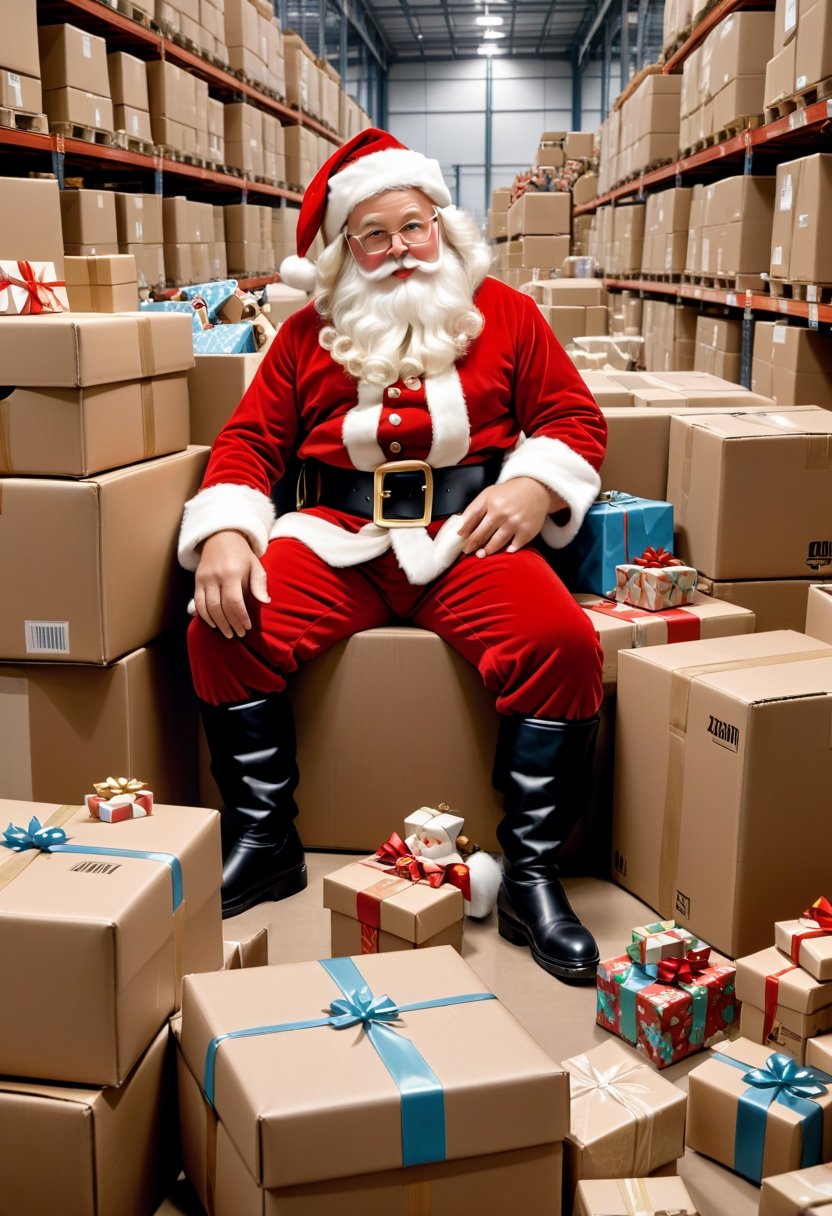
[776,603]
[79,107]
[712,462]
[67,724]
[139,219]
[793,365]
[548,213]
[216,386]
[622,1196]
[741,46]
[89,218]
[128,81]
[111,1152]
[73,58]
[106,941]
[20,37]
[713,739]
[788,1194]
[799,250]
[20,92]
[819,612]
[484,1157]
[109,545]
[813,50]
[30,222]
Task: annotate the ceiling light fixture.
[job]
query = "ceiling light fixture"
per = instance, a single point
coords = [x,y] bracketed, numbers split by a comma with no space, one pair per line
[488,20]
[493,34]
[488,48]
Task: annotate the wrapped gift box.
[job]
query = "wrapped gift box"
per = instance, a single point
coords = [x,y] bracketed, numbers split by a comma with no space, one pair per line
[808,941]
[783,1006]
[670,1009]
[285,1081]
[660,940]
[30,288]
[372,911]
[625,1120]
[758,1111]
[616,529]
[798,1193]
[654,589]
[107,921]
[239,339]
[627,1196]
[101,1152]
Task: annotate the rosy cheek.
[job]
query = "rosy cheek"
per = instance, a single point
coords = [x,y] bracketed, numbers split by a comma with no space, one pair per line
[428,252]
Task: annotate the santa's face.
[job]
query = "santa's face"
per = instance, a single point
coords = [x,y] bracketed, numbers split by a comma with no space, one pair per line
[393,235]
[431,843]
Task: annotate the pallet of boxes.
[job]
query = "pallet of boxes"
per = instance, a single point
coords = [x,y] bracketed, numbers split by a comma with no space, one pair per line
[21,93]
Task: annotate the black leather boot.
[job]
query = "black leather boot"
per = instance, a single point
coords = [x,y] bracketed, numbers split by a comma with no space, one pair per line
[544,770]
[253,761]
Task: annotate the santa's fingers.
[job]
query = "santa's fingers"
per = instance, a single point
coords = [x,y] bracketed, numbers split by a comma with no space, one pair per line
[474,514]
[499,539]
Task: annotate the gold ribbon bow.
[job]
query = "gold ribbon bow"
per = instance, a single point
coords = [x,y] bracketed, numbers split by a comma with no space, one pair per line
[612,1084]
[114,786]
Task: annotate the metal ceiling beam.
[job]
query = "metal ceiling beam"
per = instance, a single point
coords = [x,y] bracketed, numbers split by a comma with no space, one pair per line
[513,23]
[446,14]
[368,30]
[415,31]
[594,28]
[544,29]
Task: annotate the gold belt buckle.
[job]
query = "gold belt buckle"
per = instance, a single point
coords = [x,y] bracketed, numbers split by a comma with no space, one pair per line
[380,493]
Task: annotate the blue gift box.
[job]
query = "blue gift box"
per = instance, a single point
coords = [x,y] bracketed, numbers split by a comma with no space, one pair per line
[237,339]
[214,294]
[616,529]
[172,306]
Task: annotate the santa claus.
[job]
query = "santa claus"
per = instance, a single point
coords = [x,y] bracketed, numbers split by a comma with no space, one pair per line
[441,429]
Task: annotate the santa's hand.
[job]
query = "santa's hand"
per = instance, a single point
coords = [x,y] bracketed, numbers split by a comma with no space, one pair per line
[228,570]
[507,516]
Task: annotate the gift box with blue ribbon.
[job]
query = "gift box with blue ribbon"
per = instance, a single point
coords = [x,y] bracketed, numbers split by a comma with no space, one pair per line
[385,1071]
[759,1112]
[237,339]
[616,529]
[98,922]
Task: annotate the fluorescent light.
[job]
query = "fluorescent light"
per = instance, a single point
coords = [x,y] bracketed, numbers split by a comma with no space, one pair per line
[488,48]
[487,20]
[493,34]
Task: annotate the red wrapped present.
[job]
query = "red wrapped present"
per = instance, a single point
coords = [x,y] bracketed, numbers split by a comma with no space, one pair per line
[689,1002]
[617,983]
[118,799]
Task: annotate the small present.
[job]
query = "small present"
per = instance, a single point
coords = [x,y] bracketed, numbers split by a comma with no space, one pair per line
[808,941]
[617,981]
[655,581]
[652,943]
[390,1061]
[28,288]
[615,530]
[240,339]
[625,1120]
[373,912]
[691,1001]
[799,1193]
[783,1006]
[633,1197]
[118,799]
[759,1112]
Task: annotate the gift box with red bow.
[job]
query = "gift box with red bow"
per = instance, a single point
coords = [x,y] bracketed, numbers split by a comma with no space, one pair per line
[396,902]
[670,1009]
[659,940]
[783,1006]
[808,941]
[118,799]
[655,581]
[28,288]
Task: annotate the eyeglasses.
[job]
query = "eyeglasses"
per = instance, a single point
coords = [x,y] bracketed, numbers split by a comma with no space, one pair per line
[414,232]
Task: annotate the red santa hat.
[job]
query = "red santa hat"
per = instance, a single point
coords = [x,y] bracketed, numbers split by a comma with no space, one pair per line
[368,164]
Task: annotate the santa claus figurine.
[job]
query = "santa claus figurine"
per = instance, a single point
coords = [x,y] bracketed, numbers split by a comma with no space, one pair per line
[435,835]
[441,430]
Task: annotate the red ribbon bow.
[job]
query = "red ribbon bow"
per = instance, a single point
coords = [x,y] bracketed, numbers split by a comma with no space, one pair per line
[392,849]
[820,911]
[40,293]
[654,559]
[679,971]
[394,852]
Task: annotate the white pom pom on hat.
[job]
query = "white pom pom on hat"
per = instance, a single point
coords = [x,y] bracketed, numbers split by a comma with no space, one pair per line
[368,164]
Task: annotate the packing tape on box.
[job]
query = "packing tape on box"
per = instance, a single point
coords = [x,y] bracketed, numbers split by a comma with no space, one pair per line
[636,1197]
[680,686]
[147,354]
[612,1083]
[682,625]
[148,418]
[6,465]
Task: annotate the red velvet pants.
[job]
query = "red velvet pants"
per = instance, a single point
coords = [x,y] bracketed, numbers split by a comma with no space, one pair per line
[508,614]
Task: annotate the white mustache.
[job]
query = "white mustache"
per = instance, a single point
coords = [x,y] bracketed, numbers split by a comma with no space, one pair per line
[405,262]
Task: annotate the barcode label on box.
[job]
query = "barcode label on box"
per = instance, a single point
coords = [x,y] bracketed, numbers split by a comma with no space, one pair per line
[86,46]
[16,89]
[47,637]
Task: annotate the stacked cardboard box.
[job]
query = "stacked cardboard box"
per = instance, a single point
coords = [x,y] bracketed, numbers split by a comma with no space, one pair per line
[666,226]
[302,155]
[217,255]
[254,43]
[669,336]
[274,154]
[649,126]
[626,247]
[719,347]
[802,50]
[174,115]
[215,123]
[88,221]
[212,30]
[20,84]
[676,22]
[538,226]
[105,283]
[189,231]
[302,75]
[73,68]
[248,237]
[608,158]
[791,364]
[799,250]
[284,228]
[244,138]
[330,86]
[497,228]
[723,81]
[140,232]
[730,231]
[128,89]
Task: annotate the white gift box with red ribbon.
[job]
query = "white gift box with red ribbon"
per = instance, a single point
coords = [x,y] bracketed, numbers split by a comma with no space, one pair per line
[28,288]
[121,807]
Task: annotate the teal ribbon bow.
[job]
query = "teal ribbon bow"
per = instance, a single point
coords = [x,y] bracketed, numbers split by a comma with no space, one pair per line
[422,1094]
[785,1081]
[53,840]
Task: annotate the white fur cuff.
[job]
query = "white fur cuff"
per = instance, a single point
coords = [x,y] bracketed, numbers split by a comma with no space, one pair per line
[561,469]
[223,508]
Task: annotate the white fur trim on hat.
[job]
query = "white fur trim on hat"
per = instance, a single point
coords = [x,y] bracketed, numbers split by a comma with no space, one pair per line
[561,469]
[299,272]
[393,169]
[225,508]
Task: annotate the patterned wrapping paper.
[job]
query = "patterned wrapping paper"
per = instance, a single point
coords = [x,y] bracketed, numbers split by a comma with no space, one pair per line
[654,589]
[652,943]
[671,1017]
[238,339]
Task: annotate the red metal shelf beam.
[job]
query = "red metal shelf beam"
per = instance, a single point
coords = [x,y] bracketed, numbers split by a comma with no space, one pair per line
[756,301]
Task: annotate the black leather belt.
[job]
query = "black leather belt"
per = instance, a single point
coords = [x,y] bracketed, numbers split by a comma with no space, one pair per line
[399,494]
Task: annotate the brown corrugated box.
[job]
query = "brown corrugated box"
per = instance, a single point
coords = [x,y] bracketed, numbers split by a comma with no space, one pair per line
[622,1196]
[799,1008]
[19,22]
[545,213]
[135,122]
[186,222]
[111,1152]
[410,914]
[89,218]
[546,252]
[712,462]
[216,386]
[366,1153]
[30,221]
[73,58]
[20,92]
[80,107]
[819,613]
[150,263]
[793,364]
[579,145]
[741,46]
[139,219]
[785,22]
[731,730]
[813,53]
[780,73]
[776,603]
[788,1194]
[100,539]
[128,80]
[62,722]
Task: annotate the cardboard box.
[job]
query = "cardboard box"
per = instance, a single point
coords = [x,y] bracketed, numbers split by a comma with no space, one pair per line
[101,538]
[813,50]
[88,217]
[128,81]
[366,1155]
[719,1124]
[72,58]
[819,613]
[136,123]
[112,1152]
[780,74]
[79,107]
[741,46]
[252,951]
[785,22]
[20,37]
[216,386]
[799,252]
[788,1006]
[106,943]
[547,213]
[546,252]
[703,716]
[620,627]
[75,432]
[62,722]
[712,461]
[793,364]
[374,911]
[622,1196]
[776,603]
[788,1194]
[139,219]
[605,1137]
[583,293]
[579,145]
[30,221]
[150,264]
[20,92]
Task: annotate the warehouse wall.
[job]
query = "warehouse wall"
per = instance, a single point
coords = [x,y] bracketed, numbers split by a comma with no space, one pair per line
[440,109]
